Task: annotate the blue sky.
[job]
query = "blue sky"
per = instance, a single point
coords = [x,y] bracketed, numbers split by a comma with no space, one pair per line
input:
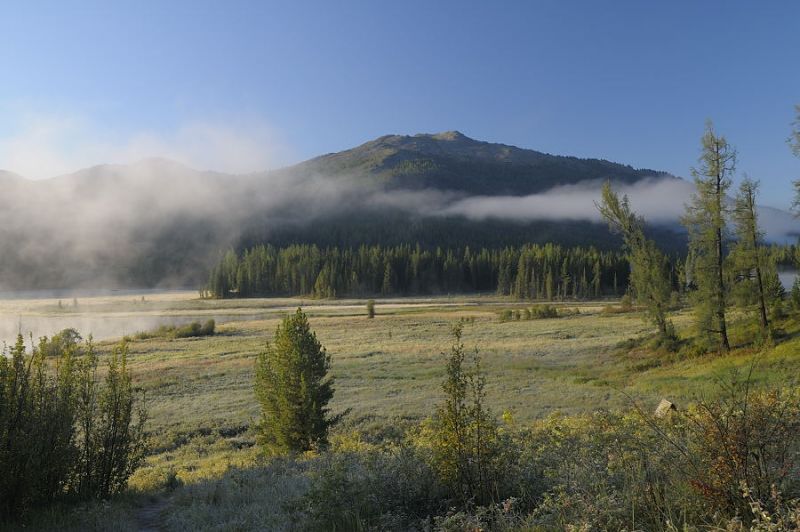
[241,85]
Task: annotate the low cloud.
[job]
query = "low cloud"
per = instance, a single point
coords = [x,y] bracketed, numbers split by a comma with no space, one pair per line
[660,200]
[46,146]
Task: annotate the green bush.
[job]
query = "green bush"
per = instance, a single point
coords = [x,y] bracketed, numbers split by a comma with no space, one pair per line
[378,489]
[64,434]
[195,329]
[464,436]
[505,315]
[66,340]
[543,312]
[191,330]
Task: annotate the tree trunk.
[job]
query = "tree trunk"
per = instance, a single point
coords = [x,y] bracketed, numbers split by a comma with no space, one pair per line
[723,330]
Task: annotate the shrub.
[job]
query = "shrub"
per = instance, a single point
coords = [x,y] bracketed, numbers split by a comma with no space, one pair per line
[37,428]
[380,489]
[464,435]
[64,434]
[195,329]
[746,440]
[110,442]
[191,330]
[505,315]
[543,312]
[66,340]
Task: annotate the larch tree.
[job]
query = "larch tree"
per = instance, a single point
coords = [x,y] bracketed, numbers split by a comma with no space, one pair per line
[293,388]
[749,256]
[650,274]
[705,220]
[794,144]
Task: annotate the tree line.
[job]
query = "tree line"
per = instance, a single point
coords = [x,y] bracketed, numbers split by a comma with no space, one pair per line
[532,271]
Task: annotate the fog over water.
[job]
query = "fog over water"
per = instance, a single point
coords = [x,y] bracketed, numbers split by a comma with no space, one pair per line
[104,314]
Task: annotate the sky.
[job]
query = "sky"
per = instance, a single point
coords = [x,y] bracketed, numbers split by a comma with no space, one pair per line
[245,86]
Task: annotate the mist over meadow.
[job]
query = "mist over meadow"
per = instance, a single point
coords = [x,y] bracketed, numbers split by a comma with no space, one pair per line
[157,222]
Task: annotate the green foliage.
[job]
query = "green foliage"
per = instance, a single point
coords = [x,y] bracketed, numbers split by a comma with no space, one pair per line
[110,432]
[795,294]
[543,312]
[705,222]
[394,488]
[467,451]
[625,305]
[745,440]
[66,340]
[794,144]
[794,140]
[293,389]
[751,262]
[62,433]
[650,277]
[194,329]
[37,427]
[528,272]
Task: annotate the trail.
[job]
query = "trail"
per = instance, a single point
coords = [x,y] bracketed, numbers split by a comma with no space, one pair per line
[149,518]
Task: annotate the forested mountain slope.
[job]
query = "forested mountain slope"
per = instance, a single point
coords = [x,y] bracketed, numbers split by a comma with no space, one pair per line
[160,223]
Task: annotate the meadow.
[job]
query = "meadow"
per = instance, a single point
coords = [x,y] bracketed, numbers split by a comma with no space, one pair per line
[388,371]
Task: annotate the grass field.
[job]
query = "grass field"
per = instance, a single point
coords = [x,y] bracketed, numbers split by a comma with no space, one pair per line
[388,370]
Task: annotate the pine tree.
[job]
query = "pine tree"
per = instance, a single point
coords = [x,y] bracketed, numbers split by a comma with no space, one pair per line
[293,388]
[649,278]
[705,221]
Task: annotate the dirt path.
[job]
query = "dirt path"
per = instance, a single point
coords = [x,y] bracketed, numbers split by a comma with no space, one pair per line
[149,518]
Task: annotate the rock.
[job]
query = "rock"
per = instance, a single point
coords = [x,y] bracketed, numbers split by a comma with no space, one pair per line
[665,407]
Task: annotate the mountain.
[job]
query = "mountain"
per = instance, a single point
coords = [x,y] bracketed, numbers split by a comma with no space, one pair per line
[452,161]
[160,223]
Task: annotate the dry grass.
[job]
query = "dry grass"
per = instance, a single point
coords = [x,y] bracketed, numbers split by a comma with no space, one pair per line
[388,370]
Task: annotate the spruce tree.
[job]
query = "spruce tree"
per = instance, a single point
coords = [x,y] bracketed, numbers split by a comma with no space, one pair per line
[706,224]
[293,388]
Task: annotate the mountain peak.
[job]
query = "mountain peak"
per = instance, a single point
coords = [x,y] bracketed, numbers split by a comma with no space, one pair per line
[450,136]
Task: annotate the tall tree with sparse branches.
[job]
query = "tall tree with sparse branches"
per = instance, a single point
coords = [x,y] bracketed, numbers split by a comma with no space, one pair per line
[749,257]
[794,144]
[650,274]
[705,220]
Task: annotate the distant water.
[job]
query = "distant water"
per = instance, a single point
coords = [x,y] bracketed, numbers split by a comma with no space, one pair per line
[38,317]
[69,293]
[787,278]
[101,327]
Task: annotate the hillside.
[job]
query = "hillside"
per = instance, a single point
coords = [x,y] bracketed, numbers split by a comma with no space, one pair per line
[160,223]
[455,162]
